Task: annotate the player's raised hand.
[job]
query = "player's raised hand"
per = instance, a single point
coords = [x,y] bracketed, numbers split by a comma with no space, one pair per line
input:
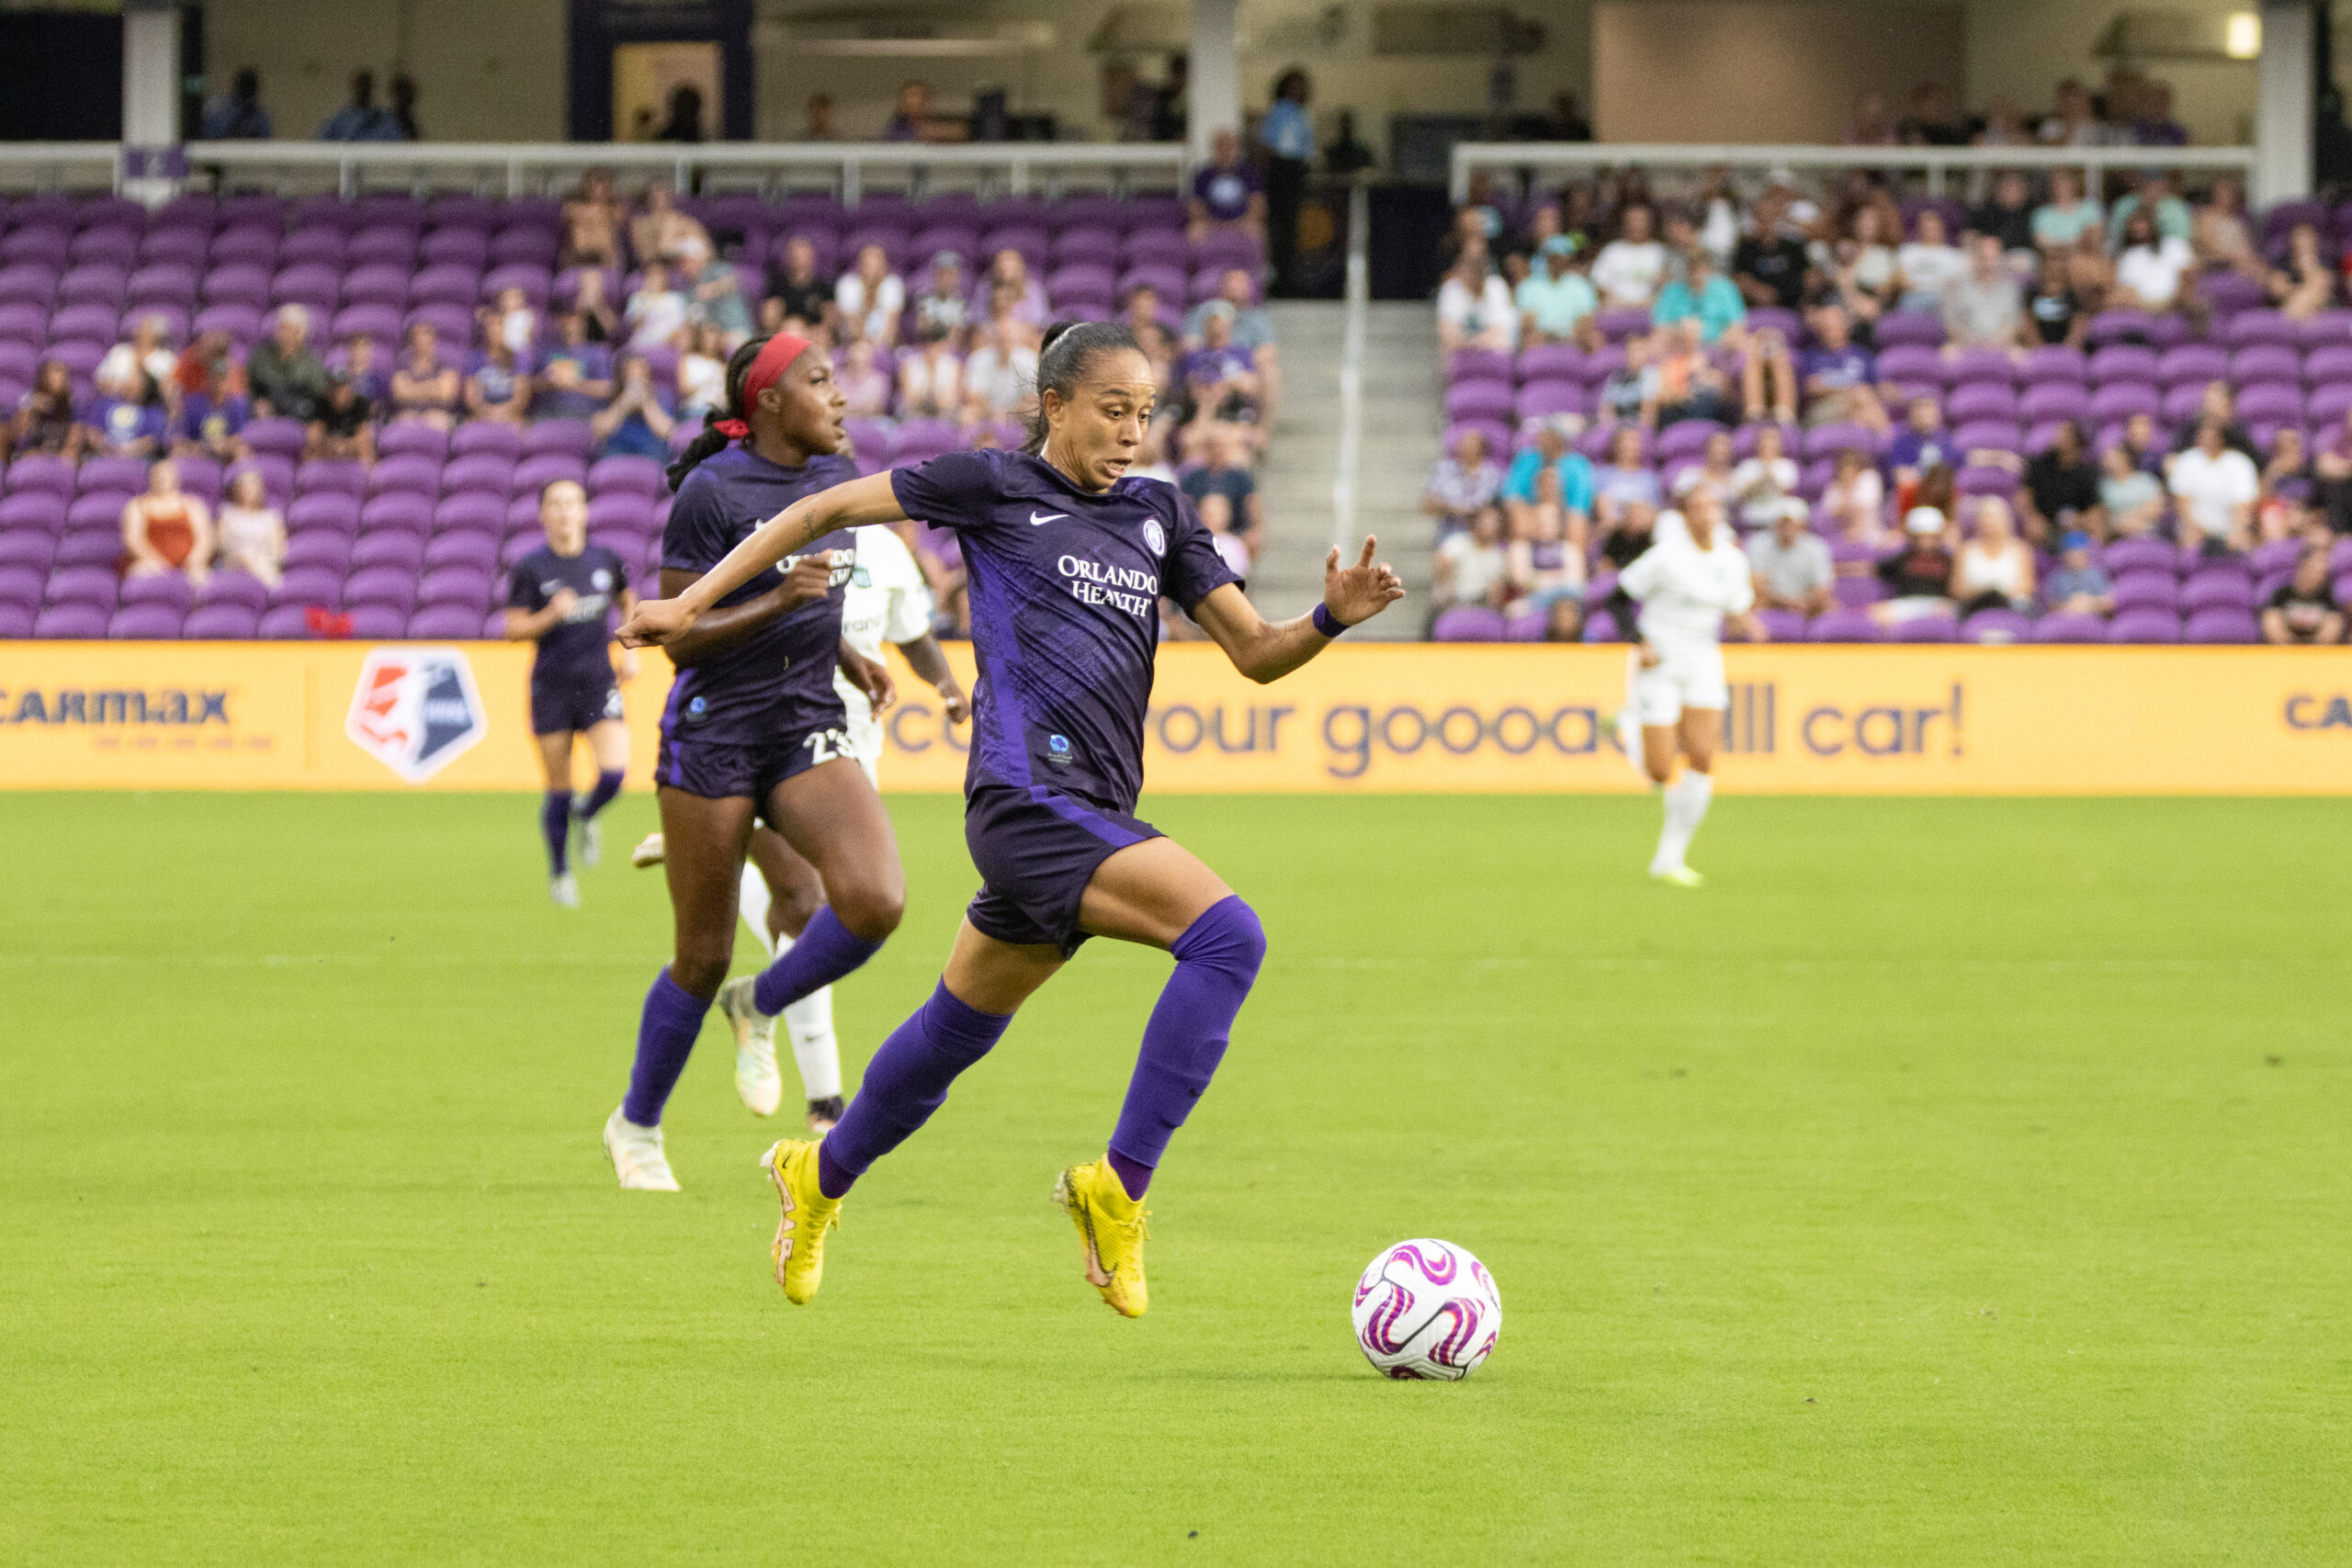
[870,676]
[1358,592]
[657,621]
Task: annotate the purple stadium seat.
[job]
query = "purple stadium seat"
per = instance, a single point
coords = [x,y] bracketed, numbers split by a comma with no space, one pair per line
[24,320]
[1936,627]
[40,471]
[287,623]
[1856,592]
[2069,627]
[377,621]
[469,510]
[2056,362]
[413,473]
[1981,400]
[1540,400]
[1617,326]
[481,435]
[444,622]
[382,244]
[2121,326]
[410,439]
[1829,440]
[532,280]
[2046,401]
[2250,327]
[453,323]
[533,474]
[455,247]
[2217,591]
[84,585]
[232,587]
[490,472]
[390,585]
[170,588]
[1478,399]
[1916,368]
[1973,366]
[347,477]
[2140,555]
[1551,362]
[22,584]
[97,545]
[569,437]
[2119,400]
[1601,625]
[386,544]
[633,476]
[220,623]
[523,244]
[1846,624]
[1468,622]
[2269,403]
[1684,439]
[1983,478]
[1910,326]
[76,621]
[84,321]
[468,547]
[2147,588]
[444,284]
[2222,625]
[2144,624]
[1996,627]
[146,623]
[46,246]
[309,585]
[2125,362]
[1783,626]
[127,474]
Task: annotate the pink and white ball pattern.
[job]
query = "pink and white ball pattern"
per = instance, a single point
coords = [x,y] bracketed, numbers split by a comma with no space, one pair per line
[1427,1309]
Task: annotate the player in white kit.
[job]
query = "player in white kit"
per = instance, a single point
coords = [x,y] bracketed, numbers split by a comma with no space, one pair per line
[1691,583]
[885,601]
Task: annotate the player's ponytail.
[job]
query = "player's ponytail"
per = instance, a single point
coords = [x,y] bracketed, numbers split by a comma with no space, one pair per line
[712,440]
[1065,358]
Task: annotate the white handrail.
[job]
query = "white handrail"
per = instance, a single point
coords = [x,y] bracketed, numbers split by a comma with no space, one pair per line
[1935,162]
[531,168]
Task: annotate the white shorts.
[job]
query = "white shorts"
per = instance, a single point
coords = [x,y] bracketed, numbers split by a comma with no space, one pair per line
[866,741]
[1688,677]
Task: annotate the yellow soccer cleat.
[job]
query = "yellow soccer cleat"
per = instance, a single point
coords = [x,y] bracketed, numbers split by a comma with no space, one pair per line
[1110,1230]
[799,1250]
[1677,877]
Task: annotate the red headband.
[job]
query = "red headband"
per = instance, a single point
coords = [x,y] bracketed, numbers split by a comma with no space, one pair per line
[775,357]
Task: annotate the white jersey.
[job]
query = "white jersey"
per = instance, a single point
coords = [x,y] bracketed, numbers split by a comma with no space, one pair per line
[885,601]
[1686,592]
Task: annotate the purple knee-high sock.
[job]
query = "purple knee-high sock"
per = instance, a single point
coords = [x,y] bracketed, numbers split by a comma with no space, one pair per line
[1216,962]
[665,1038]
[608,784]
[555,826]
[821,954]
[904,1084]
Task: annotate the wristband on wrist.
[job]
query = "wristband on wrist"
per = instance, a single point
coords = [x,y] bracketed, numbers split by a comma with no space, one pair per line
[1326,622]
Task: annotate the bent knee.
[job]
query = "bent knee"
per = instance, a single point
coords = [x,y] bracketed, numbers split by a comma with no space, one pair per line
[699,970]
[871,914]
[1228,935]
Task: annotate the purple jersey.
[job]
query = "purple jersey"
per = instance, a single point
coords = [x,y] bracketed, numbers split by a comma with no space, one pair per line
[1064,588]
[571,650]
[778,677]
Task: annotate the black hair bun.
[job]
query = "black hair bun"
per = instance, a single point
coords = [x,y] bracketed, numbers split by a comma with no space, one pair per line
[1052,332]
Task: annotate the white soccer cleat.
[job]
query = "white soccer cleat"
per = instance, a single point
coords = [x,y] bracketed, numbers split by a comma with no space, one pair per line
[591,841]
[637,1157]
[649,854]
[1677,877]
[563,892]
[756,1078]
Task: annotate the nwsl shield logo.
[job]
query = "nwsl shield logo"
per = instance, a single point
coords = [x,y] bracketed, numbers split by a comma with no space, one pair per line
[416,710]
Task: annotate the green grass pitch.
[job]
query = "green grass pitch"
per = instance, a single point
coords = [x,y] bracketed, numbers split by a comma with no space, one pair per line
[1949,1182]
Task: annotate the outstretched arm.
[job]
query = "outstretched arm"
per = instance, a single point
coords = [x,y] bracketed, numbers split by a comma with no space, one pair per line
[811,517]
[1267,651]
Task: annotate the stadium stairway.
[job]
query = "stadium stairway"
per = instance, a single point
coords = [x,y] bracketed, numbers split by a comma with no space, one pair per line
[1402,386]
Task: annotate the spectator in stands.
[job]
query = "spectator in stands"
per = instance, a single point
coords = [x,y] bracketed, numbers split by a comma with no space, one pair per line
[1551,473]
[1472,567]
[2152,195]
[361,119]
[1223,491]
[1630,268]
[807,298]
[356,357]
[403,110]
[166,529]
[1851,503]
[131,421]
[1623,396]
[2304,285]
[1161,352]
[2061,488]
[2303,610]
[638,421]
[1861,274]
[1718,462]
[576,378]
[1461,483]
[1768,378]
[2076,123]
[865,385]
[1872,125]
[1839,376]
[1920,445]
[1227,194]
[1919,577]
[1681,382]
[424,390]
[1288,134]
[870,297]
[930,379]
[1009,274]
[250,532]
[1253,328]
[657,312]
[1769,264]
[2089,272]
[2053,315]
[1556,303]
[2146,448]
[1791,562]
[345,424]
[1928,263]
[213,407]
[1933,122]
[148,349]
[1001,377]
[2281,508]
[2215,485]
[1220,376]
[942,308]
[1995,570]
[2149,273]
[236,115]
[659,229]
[702,373]
[1622,480]
[913,119]
[1981,307]
[2131,501]
[46,419]
[2007,217]
[712,293]
[592,223]
[1762,481]
[2218,236]
[2219,404]
[1543,566]
[600,324]
[2079,586]
[2067,215]
[510,319]
[286,377]
[1704,296]
[1475,308]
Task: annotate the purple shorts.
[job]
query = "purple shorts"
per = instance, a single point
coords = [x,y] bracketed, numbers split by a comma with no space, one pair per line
[716,769]
[1036,851]
[568,708]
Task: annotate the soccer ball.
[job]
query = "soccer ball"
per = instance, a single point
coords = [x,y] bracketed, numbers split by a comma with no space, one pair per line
[1427,1309]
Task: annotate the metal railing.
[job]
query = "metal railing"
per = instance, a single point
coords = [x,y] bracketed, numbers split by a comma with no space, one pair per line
[492,168]
[1933,163]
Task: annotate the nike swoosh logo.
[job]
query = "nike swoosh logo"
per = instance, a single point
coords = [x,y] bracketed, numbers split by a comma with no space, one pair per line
[1035,520]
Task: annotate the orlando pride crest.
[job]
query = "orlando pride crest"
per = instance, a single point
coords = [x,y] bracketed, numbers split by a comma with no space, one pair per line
[416,709]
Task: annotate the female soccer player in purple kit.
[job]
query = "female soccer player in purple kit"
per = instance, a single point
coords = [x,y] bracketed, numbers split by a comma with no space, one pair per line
[1068,561]
[754,729]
